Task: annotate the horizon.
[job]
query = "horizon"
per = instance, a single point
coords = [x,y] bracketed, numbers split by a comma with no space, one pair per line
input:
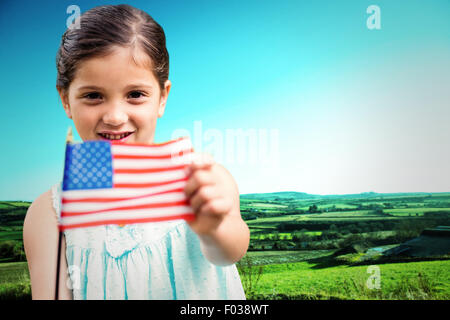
[306,193]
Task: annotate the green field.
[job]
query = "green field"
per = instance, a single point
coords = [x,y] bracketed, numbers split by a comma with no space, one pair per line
[328,215]
[10,235]
[266,205]
[412,211]
[312,279]
[12,271]
[306,280]
[304,246]
[282,235]
[14,281]
[327,225]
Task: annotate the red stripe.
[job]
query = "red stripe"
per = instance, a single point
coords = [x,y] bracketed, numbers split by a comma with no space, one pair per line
[151,145]
[146,185]
[187,217]
[150,170]
[160,156]
[64,200]
[135,207]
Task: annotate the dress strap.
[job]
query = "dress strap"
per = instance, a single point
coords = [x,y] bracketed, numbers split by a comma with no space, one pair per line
[56,200]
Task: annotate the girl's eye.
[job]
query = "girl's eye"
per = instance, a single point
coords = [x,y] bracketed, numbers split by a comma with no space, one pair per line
[92,96]
[136,94]
[97,95]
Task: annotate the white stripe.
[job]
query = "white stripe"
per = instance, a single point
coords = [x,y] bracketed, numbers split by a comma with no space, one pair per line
[162,198]
[172,148]
[151,163]
[119,192]
[149,177]
[127,215]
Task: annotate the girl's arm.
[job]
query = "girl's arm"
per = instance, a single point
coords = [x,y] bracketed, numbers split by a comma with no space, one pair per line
[40,239]
[229,243]
[214,197]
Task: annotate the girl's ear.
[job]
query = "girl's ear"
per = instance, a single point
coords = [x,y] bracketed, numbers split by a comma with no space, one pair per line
[65,102]
[163,99]
[67,110]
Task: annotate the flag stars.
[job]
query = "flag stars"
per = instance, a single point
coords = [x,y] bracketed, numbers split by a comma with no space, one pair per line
[88,166]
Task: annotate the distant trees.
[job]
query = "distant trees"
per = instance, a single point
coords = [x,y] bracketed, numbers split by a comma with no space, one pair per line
[12,249]
[407,229]
[378,211]
[249,216]
[333,227]
[388,205]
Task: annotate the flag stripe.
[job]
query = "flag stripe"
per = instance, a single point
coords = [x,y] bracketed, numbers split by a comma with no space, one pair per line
[153,145]
[129,214]
[97,200]
[151,163]
[149,177]
[73,195]
[145,185]
[152,156]
[148,170]
[168,196]
[142,206]
[187,217]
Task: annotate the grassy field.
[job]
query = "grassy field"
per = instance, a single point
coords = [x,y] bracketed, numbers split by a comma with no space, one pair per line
[10,235]
[412,211]
[338,223]
[304,275]
[309,280]
[281,235]
[14,281]
[304,246]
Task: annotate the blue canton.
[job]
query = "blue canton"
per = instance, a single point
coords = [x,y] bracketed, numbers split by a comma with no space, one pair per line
[88,166]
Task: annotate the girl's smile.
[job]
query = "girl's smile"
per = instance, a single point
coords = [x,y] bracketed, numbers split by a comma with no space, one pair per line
[111,135]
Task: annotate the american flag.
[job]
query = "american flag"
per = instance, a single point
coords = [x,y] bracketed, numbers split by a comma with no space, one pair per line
[106,182]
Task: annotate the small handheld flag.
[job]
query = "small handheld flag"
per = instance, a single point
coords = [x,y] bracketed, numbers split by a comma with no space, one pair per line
[106,182]
[69,139]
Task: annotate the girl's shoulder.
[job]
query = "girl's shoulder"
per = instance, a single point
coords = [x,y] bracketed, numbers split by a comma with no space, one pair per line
[40,239]
[40,220]
[41,208]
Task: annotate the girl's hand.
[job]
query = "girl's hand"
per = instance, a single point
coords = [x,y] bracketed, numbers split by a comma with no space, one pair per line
[212,194]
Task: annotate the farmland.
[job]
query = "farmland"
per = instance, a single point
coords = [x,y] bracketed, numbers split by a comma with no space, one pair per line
[319,247]
[309,280]
[305,246]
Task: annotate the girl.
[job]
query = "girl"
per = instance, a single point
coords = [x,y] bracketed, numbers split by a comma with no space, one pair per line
[112,77]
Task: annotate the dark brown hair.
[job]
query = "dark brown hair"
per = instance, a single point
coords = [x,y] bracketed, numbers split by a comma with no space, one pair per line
[102,28]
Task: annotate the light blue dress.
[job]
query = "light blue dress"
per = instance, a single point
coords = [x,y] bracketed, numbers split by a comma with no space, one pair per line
[161,260]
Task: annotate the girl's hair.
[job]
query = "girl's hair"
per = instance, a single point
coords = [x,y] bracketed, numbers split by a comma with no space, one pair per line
[102,28]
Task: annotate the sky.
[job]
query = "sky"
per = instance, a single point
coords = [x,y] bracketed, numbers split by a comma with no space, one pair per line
[287,95]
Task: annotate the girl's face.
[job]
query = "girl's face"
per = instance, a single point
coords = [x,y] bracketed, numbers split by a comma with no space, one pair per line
[113,98]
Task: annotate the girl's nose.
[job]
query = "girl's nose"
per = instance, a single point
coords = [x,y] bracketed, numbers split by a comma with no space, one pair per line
[115,116]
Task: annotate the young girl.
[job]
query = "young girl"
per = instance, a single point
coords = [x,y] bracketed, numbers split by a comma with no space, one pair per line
[113,82]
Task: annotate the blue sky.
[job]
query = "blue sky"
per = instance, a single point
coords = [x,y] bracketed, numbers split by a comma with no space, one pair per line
[353,109]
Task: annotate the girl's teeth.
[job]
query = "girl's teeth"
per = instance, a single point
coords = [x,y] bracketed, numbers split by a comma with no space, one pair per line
[114,136]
